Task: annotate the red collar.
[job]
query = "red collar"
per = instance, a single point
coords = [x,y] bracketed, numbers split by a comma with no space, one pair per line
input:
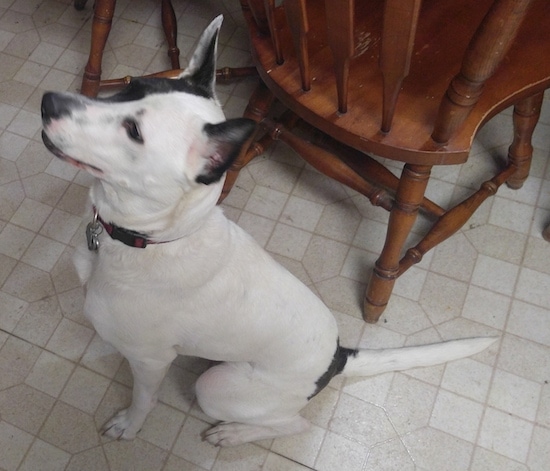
[126,236]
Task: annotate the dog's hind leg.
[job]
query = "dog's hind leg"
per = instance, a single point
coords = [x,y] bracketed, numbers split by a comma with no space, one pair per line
[147,379]
[252,405]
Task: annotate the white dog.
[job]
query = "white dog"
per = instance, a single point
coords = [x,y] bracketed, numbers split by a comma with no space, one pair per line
[168,274]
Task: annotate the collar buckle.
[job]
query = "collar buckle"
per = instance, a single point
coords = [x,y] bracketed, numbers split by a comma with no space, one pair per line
[126,236]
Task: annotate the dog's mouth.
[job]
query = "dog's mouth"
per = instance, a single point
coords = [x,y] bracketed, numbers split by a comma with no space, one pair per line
[61,155]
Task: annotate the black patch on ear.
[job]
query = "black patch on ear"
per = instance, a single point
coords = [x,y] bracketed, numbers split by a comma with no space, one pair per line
[225,142]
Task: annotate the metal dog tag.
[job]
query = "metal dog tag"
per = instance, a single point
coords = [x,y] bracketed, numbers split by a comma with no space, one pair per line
[93,229]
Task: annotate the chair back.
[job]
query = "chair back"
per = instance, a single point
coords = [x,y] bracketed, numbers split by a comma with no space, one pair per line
[404,79]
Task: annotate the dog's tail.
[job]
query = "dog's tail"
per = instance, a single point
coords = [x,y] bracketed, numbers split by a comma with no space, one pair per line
[365,362]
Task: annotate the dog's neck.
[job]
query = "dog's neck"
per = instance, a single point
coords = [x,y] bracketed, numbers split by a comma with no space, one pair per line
[156,221]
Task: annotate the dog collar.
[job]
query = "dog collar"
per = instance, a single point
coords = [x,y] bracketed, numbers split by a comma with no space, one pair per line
[126,236]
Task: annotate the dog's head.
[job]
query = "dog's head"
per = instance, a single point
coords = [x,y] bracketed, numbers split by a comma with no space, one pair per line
[158,138]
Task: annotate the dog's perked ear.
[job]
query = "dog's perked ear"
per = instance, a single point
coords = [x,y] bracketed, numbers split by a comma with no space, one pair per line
[225,141]
[201,70]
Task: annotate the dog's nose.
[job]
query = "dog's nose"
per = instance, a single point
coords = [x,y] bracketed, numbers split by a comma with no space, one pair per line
[56,105]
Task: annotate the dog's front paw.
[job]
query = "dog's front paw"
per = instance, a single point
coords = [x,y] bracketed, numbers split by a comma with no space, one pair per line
[121,426]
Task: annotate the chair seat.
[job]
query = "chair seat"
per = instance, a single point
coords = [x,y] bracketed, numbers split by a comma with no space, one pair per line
[443,33]
[408,80]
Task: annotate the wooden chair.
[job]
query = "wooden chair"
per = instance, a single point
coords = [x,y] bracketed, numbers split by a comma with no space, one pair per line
[101,27]
[406,80]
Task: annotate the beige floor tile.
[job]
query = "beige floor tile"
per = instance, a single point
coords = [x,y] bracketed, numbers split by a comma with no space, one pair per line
[447,254]
[101,358]
[485,460]
[486,307]
[176,463]
[15,444]
[456,415]
[539,455]
[289,241]
[34,159]
[45,457]
[17,358]
[497,242]
[190,446]
[246,457]
[505,434]
[69,429]
[341,453]
[389,456]
[11,310]
[324,258]
[524,358]
[15,240]
[543,414]
[496,275]
[409,403]
[31,215]
[362,422]
[25,407]
[530,322]
[478,374]
[89,460]
[533,287]
[433,449]
[266,202]
[514,394]
[43,253]
[162,426]
[138,455]
[85,390]
[279,463]
[302,213]
[70,339]
[39,321]
[50,373]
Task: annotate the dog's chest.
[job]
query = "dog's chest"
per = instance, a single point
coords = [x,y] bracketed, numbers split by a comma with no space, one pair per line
[221,300]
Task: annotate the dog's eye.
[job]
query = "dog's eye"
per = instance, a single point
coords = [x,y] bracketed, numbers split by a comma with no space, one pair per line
[132,129]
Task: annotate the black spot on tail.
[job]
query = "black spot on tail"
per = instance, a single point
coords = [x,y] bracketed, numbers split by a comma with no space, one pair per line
[336,366]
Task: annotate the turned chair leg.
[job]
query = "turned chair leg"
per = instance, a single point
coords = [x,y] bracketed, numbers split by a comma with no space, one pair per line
[258,106]
[408,199]
[170,26]
[101,26]
[526,116]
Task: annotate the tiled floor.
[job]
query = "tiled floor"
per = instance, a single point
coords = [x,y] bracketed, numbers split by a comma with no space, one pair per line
[59,382]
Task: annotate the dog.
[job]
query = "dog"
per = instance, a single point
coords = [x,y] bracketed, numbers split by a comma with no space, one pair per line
[167,274]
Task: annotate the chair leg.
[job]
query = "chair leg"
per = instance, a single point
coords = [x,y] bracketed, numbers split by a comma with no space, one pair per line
[101,26]
[258,106]
[170,26]
[526,116]
[408,199]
